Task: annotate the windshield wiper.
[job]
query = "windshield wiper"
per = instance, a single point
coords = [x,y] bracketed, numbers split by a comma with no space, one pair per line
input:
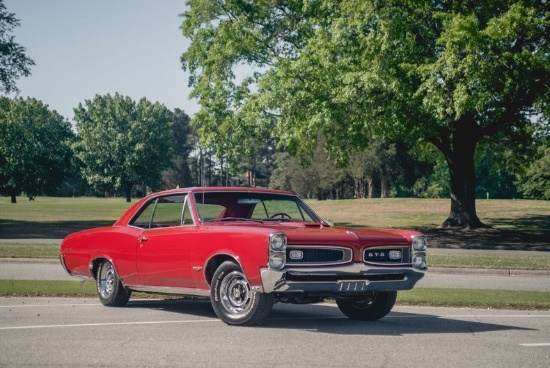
[232,219]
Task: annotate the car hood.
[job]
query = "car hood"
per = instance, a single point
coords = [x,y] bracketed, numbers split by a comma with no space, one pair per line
[317,234]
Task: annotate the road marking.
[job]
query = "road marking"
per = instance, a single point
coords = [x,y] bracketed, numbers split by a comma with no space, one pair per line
[49,305]
[106,324]
[537,344]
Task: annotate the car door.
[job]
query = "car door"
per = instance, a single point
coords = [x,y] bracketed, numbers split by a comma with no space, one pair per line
[164,245]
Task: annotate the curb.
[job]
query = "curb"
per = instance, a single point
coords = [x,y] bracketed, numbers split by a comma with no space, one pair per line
[489,272]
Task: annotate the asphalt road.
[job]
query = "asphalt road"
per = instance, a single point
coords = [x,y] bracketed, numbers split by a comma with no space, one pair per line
[63,332]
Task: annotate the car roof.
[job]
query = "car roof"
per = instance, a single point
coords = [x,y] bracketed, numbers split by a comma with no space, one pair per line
[223,189]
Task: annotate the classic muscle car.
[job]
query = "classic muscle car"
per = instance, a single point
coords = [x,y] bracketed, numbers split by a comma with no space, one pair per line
[245,249]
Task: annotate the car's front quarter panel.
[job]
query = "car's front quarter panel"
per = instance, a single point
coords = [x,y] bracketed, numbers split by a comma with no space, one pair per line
[245,245]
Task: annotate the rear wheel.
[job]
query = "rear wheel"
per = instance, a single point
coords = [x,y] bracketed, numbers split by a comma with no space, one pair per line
[368,307]
[233,300]
[110,290]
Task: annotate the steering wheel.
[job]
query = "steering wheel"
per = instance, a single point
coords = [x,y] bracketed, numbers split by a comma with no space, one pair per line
[281,215]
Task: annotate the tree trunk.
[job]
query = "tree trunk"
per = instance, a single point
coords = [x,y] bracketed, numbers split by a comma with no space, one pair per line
[128,190]
[460,159]
[370,186]
[384,191]
[13,198]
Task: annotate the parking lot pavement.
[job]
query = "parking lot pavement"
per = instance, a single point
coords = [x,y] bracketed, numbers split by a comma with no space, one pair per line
[80,332]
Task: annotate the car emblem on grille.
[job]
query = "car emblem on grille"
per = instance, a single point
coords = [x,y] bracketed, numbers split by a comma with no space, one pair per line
[395,254]
[296,254]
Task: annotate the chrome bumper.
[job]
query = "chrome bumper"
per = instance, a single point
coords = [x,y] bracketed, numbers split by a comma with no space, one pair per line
[343,280]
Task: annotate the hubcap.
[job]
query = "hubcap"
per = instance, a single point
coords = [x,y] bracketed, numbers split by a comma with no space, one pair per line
[107,281]
[235,293]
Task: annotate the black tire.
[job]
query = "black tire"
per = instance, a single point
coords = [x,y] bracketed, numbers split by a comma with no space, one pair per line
[368,307]
[110,290]
[233,300]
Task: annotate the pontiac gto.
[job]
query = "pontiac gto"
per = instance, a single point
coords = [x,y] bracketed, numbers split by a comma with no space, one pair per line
[245,249]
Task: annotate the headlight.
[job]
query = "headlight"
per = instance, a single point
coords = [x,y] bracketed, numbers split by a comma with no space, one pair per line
[277,242]
[419,261]
[277,260]
[419,243]
[277,251]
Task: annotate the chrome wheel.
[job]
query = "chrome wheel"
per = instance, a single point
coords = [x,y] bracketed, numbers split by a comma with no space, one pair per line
[235,294]
[110,290]
[106,281]
[233,300]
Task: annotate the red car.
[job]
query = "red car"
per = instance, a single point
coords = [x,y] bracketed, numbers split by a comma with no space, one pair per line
[246,249]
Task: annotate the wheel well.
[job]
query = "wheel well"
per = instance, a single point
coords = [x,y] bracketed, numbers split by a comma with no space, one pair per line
[94,265]
[213,265]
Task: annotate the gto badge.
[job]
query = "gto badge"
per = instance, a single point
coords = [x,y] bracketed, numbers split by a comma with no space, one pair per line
[296,254]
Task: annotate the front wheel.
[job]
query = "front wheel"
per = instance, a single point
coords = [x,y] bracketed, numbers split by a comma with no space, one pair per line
[110,290]
[233,300]
[368,307]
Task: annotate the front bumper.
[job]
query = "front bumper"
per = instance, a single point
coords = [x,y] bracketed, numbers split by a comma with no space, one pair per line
[338,281]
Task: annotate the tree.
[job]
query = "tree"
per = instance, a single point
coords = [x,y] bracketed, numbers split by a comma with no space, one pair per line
[122,143]
[452,73]
[35,148]
[179,174]
[13,61]
[536,182]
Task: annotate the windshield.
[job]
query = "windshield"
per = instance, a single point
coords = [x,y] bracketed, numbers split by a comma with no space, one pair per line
[236,206]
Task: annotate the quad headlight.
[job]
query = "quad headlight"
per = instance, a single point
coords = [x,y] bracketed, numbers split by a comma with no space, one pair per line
[419,243]
[419,246]
[277,251]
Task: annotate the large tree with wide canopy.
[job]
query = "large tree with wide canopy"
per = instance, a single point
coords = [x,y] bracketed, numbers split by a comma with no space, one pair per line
[451,73]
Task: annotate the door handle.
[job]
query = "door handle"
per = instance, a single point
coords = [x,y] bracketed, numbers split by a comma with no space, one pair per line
[142,239]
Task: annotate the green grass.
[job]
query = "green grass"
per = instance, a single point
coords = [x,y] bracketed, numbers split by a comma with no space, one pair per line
[489,261]
[470,298]
[519,215]
[496,299]
[23,250]
[418,213]
[46,288]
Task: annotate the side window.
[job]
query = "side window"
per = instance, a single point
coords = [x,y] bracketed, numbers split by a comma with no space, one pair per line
[168,211]
[143,220]
[162,212]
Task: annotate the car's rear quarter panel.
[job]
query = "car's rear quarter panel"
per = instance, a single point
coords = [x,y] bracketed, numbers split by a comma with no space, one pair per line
[117,244]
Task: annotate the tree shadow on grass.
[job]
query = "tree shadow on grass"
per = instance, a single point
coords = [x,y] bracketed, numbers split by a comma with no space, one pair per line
[10,229]
[526,233]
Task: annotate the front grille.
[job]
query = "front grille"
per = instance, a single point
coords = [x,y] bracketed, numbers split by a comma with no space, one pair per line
[317,255]
[387,255]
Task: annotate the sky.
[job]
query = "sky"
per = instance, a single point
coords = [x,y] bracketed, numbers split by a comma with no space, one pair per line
[87,47]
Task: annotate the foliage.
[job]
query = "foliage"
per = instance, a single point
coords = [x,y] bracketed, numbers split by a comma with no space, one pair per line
[35,147]
[536,182]
[122,143]
[448,72]
[13,61]
[179,175]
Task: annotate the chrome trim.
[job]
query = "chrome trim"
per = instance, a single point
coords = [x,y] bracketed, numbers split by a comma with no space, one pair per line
[347,255]
[389,247]
[276,281]
[170,290]
[62,260]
